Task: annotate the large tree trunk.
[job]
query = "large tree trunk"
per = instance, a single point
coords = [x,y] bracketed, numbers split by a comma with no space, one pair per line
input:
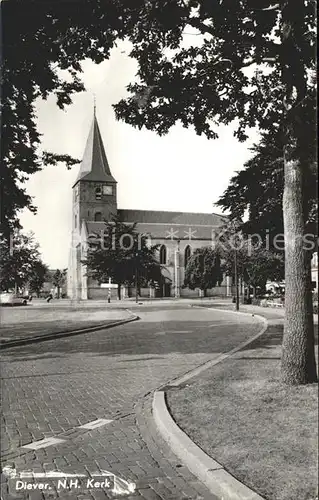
[298,356]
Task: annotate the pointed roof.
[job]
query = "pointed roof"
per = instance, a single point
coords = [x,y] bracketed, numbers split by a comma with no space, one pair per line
[94,165]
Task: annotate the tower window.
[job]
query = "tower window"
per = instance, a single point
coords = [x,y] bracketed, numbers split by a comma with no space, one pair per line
[98,216]
[98,193]
[107,190]
[163,254]
[187,255]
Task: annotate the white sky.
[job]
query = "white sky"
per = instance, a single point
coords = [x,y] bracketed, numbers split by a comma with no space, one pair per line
[178,172]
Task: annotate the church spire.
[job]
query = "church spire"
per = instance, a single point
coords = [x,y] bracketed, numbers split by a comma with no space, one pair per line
[94,165]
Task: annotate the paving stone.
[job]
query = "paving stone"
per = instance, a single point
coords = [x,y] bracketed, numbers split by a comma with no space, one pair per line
[150,494]
[50,388]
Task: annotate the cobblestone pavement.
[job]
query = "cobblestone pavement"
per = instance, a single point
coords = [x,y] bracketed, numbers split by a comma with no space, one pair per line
[26,322]
[51,388]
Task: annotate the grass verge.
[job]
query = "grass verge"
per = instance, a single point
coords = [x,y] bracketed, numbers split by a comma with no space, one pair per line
[262,432]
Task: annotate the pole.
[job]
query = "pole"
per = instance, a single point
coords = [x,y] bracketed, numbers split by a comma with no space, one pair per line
[177,291]
[136,280]
[109,292]
[236,280]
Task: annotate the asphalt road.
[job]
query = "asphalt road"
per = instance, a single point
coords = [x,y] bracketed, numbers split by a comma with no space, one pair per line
[52,388]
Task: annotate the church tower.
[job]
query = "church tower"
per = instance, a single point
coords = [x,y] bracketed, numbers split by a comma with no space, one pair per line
[94,191]
[94,200]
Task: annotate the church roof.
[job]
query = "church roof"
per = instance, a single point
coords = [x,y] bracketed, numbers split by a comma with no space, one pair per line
[94,165]
[163,217]
[167,225]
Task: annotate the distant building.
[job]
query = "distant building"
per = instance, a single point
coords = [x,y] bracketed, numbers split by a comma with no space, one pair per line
[95,200]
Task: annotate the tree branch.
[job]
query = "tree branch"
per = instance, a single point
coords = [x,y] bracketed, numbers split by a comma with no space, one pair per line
[203,28]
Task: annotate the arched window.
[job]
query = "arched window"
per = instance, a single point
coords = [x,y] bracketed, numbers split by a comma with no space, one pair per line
[98,193]
[98,216]
[163,254]
[187,255]
[75,221]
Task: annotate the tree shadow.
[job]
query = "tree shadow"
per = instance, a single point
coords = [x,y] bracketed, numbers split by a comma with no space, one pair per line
[271,338]
[147,337]
[154,338]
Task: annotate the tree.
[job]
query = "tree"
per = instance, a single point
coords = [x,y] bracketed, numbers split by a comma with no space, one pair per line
[209,83]
[250,64]
[122,254]
[40,54]
[255,265]
[18,257]
[203,270]
[256,192]
[39,274]
[58,280]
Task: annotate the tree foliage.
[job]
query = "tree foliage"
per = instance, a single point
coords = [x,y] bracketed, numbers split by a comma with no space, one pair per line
[59,279]
[122,254]
[19,258]
[256,192]
[39,274]
[255,264]
[203,270]
[252,65]
[199,85]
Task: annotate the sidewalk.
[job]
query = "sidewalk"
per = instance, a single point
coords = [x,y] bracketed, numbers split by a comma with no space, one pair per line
[262,432]
[28,322]
[68,303]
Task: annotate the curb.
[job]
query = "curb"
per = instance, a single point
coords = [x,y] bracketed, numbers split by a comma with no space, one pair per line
[52,336]
[220,482]
[196,371]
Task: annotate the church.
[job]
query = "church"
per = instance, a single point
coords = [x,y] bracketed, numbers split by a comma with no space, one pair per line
[178,234]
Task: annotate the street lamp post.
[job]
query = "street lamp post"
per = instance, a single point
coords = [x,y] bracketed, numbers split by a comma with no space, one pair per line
[136,278]
[109,292]
[236,278]
[177,289]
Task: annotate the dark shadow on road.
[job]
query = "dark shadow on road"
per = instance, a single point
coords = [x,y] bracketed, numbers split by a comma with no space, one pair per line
[148,338]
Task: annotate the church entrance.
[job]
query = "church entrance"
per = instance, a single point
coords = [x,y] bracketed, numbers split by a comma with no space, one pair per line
[165,285]
[167,289]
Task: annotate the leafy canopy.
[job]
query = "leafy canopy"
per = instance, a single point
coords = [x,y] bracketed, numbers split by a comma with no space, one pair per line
[20,258]
[39,274]
[203,269]
[257,191]
[232,70]
[121,253]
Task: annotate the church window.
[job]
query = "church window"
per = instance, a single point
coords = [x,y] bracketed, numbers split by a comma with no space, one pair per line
[187,255]
[76,191]
[98,193]
[163,254]
[98,216]
[107,190]
[75,221]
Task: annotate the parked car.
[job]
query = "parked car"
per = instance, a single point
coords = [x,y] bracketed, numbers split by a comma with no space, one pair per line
[10,299]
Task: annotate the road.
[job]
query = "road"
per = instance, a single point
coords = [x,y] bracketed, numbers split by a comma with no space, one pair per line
[50,389]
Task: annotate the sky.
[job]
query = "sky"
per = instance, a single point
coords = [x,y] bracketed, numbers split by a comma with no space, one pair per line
[179,172]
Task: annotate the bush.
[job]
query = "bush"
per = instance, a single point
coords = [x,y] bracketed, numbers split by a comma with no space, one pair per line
[264,303]
[255,301]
